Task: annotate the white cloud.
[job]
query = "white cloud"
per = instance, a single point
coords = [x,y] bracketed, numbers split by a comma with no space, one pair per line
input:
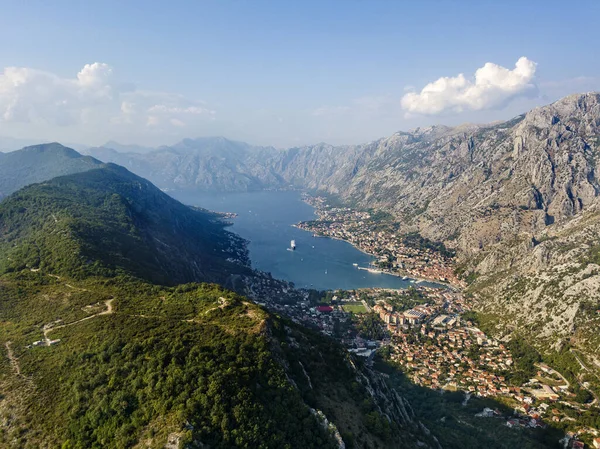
[93,98]
[493,87]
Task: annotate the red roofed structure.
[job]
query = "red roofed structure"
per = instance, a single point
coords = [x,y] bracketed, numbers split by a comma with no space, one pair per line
[324,309]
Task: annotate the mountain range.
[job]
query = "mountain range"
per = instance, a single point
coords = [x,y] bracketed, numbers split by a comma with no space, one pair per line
[540,165]
[101,259]
[505,196]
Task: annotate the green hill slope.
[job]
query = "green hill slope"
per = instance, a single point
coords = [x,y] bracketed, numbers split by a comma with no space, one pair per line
[101,349]
[108,221]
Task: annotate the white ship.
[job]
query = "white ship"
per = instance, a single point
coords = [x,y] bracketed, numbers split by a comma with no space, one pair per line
[293,245]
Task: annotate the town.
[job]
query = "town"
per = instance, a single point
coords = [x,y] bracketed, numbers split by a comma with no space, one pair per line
[396,252]
[427,332]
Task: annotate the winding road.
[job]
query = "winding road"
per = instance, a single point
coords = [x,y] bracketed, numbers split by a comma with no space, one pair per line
[108,311]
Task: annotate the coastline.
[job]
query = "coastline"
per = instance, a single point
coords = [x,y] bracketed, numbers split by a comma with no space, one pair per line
[410,276]
[304,198]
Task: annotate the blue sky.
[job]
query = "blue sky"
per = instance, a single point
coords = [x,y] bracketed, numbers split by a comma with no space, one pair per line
[282,73]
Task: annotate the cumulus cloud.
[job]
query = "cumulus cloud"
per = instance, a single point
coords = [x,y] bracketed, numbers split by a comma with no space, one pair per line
[493,87]
[93,97]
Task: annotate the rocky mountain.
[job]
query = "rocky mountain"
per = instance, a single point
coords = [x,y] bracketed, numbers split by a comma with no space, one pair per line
[517,200]
[469,186]
[546,288]
[206,164]
[39,163]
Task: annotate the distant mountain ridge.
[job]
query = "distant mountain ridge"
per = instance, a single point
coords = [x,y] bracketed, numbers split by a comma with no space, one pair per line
[39,163]
[206,164]
[126,148]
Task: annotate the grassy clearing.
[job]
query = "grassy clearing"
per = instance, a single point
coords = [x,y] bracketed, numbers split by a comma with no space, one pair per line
[354,307]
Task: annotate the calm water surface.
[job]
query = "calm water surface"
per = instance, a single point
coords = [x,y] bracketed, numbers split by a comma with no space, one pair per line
[266,219]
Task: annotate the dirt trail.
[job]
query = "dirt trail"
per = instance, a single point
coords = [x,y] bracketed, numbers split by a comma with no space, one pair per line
[13,360]
[76,288]
[109,307]
[108,311]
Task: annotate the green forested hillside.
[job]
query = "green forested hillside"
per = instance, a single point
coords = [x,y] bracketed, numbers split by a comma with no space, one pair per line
[104,347]
[39,163]
[138,364]
[199,366]
[108,221]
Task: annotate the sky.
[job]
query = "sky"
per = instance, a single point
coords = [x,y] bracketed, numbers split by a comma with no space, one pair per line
[283,73]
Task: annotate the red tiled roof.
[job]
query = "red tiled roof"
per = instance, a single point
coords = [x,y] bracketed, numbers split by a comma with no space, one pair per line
[325,308]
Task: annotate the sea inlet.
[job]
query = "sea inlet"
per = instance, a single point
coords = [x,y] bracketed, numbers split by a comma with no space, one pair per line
[266,219]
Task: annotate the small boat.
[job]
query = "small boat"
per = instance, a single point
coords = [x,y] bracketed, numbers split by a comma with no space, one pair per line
[293,245]
[355,264]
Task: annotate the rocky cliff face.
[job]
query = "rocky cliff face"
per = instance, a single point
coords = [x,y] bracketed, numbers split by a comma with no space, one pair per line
[474,186]
[547,289]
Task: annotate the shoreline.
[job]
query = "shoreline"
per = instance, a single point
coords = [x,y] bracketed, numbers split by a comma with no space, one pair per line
[410,276]
[450,285]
